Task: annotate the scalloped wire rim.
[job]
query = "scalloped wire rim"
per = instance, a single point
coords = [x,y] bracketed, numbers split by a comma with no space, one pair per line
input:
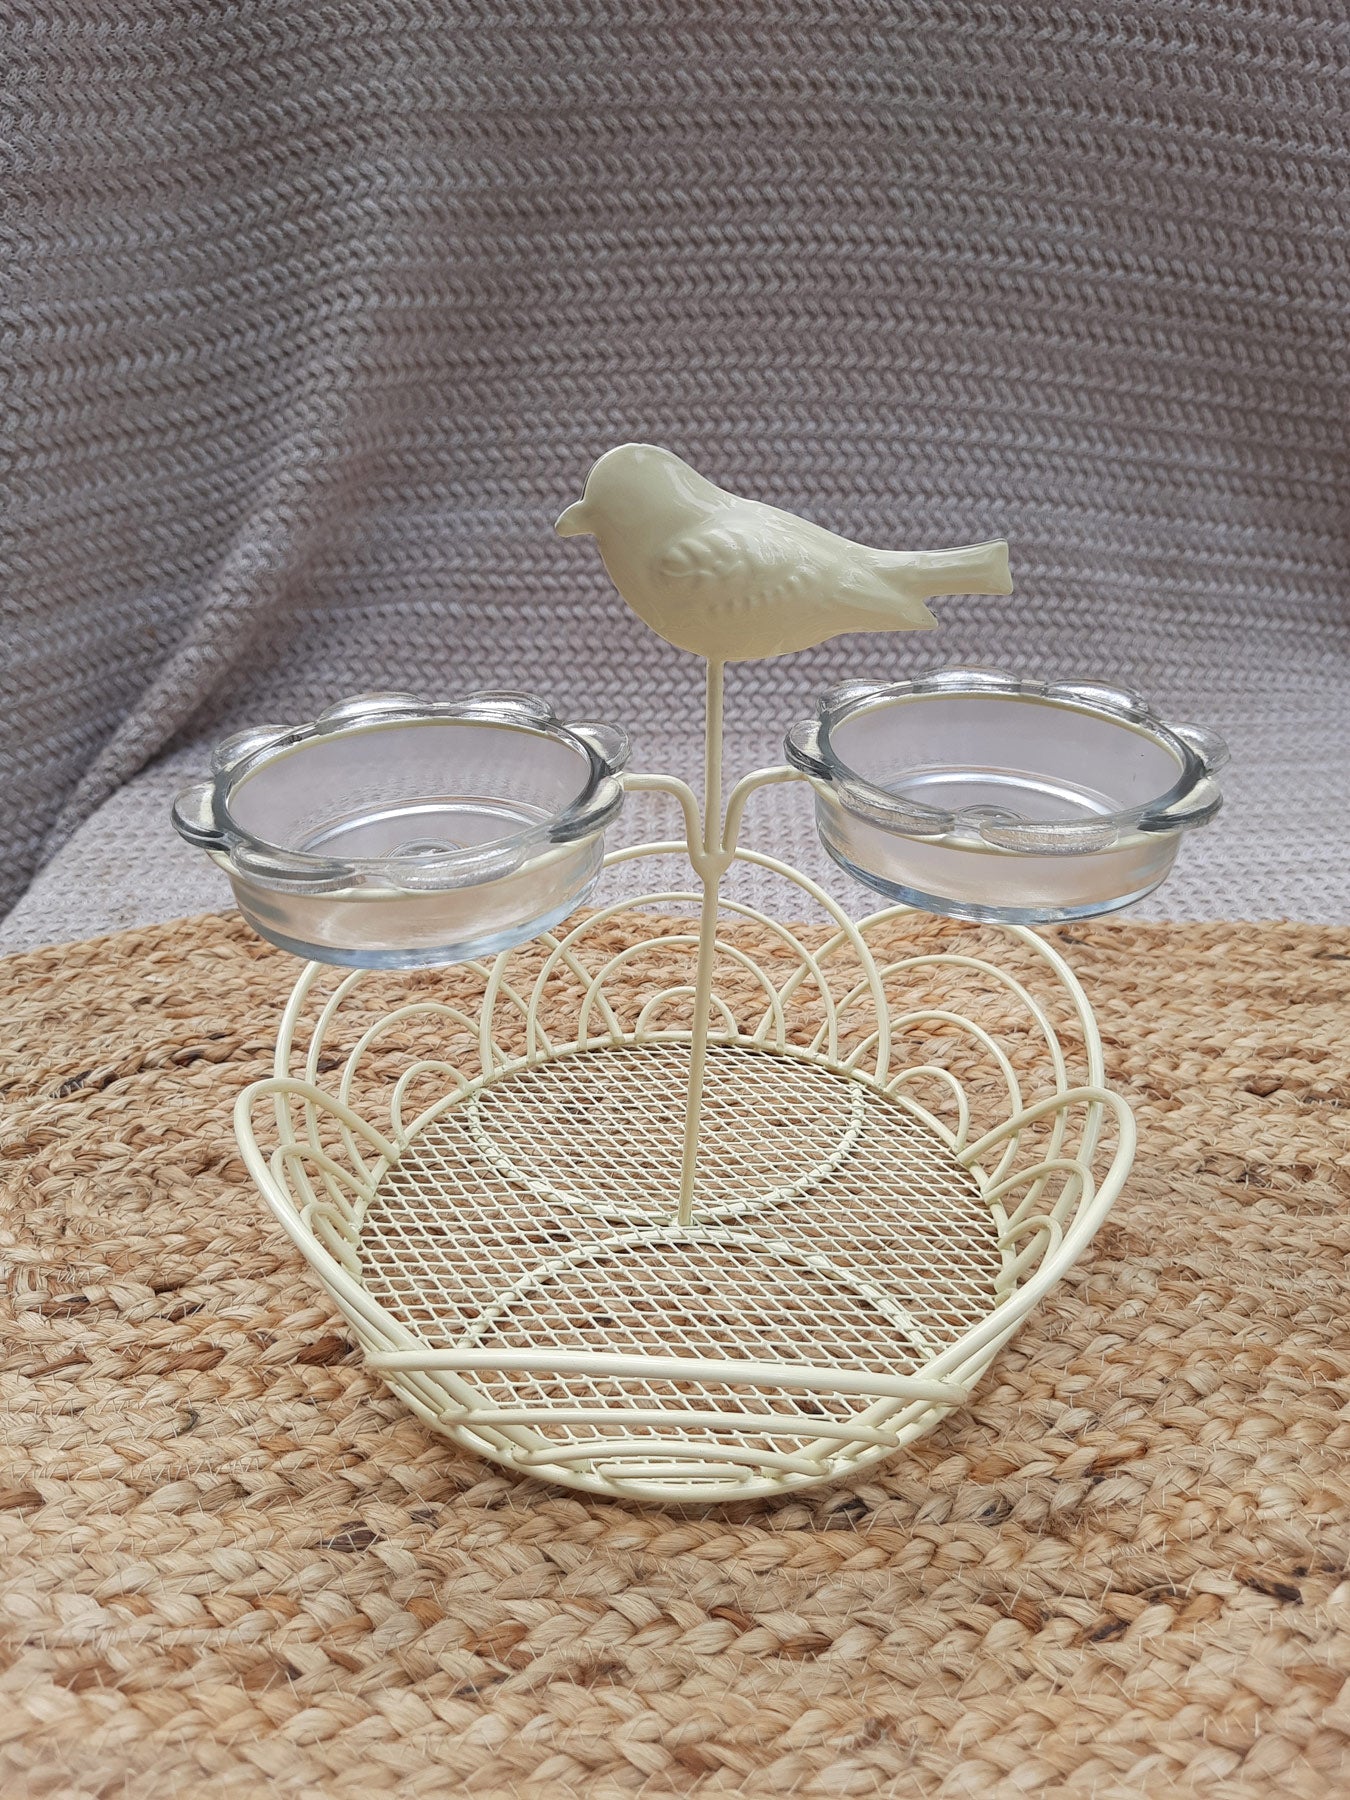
[509,1254]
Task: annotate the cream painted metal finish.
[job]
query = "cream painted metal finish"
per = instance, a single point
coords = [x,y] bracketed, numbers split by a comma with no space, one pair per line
[896,1157]
[717,1213]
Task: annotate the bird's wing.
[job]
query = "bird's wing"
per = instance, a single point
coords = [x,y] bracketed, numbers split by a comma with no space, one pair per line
[752,559]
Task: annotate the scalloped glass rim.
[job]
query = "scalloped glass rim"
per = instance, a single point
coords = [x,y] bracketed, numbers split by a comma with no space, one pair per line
[202,814]
[1199,752]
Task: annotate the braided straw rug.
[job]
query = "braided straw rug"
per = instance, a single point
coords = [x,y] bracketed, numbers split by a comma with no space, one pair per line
[234,1565]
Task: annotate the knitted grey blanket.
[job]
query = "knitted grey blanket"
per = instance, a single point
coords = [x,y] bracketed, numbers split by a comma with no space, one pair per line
[318,313]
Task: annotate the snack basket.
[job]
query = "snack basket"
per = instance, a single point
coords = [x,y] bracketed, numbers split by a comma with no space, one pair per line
[675,1201]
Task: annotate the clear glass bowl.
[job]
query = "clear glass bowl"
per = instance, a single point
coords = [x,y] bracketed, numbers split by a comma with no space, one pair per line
[393,832]
[971,793]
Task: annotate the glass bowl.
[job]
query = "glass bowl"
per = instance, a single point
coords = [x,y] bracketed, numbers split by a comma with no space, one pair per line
[393,832]
[971,793]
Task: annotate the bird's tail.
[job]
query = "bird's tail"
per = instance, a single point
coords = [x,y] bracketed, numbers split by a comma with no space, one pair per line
[974,569]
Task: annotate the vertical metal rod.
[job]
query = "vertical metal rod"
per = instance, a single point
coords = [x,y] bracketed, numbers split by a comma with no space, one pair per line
[712,761]
[710,865]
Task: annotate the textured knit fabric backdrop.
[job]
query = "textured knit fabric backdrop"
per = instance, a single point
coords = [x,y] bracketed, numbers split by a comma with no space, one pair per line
[320,312]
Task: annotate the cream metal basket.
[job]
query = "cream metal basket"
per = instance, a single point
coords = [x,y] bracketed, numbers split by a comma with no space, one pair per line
[706,1209]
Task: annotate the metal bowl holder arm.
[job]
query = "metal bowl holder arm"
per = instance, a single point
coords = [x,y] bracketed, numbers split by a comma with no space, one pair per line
[710,842]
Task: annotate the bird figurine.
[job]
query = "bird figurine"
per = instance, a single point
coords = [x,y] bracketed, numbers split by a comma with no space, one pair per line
[732,579]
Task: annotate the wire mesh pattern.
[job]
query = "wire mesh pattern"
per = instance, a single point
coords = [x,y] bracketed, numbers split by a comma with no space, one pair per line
[896,1158]
[767,1131]
[869,1276]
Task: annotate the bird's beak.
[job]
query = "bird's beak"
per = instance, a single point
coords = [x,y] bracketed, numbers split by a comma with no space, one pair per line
[572,523]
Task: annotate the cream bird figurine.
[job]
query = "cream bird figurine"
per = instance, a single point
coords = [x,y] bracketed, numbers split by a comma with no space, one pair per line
[732,579]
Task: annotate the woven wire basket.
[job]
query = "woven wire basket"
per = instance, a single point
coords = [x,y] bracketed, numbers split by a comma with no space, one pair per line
[901,1148]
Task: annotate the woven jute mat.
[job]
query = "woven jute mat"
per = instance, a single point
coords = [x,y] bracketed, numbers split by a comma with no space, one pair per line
[233,1564]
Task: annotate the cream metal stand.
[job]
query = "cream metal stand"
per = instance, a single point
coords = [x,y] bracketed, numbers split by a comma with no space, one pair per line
[710,1215]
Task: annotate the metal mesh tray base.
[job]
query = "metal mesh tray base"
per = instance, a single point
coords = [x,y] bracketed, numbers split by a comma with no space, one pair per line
[836,1230]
